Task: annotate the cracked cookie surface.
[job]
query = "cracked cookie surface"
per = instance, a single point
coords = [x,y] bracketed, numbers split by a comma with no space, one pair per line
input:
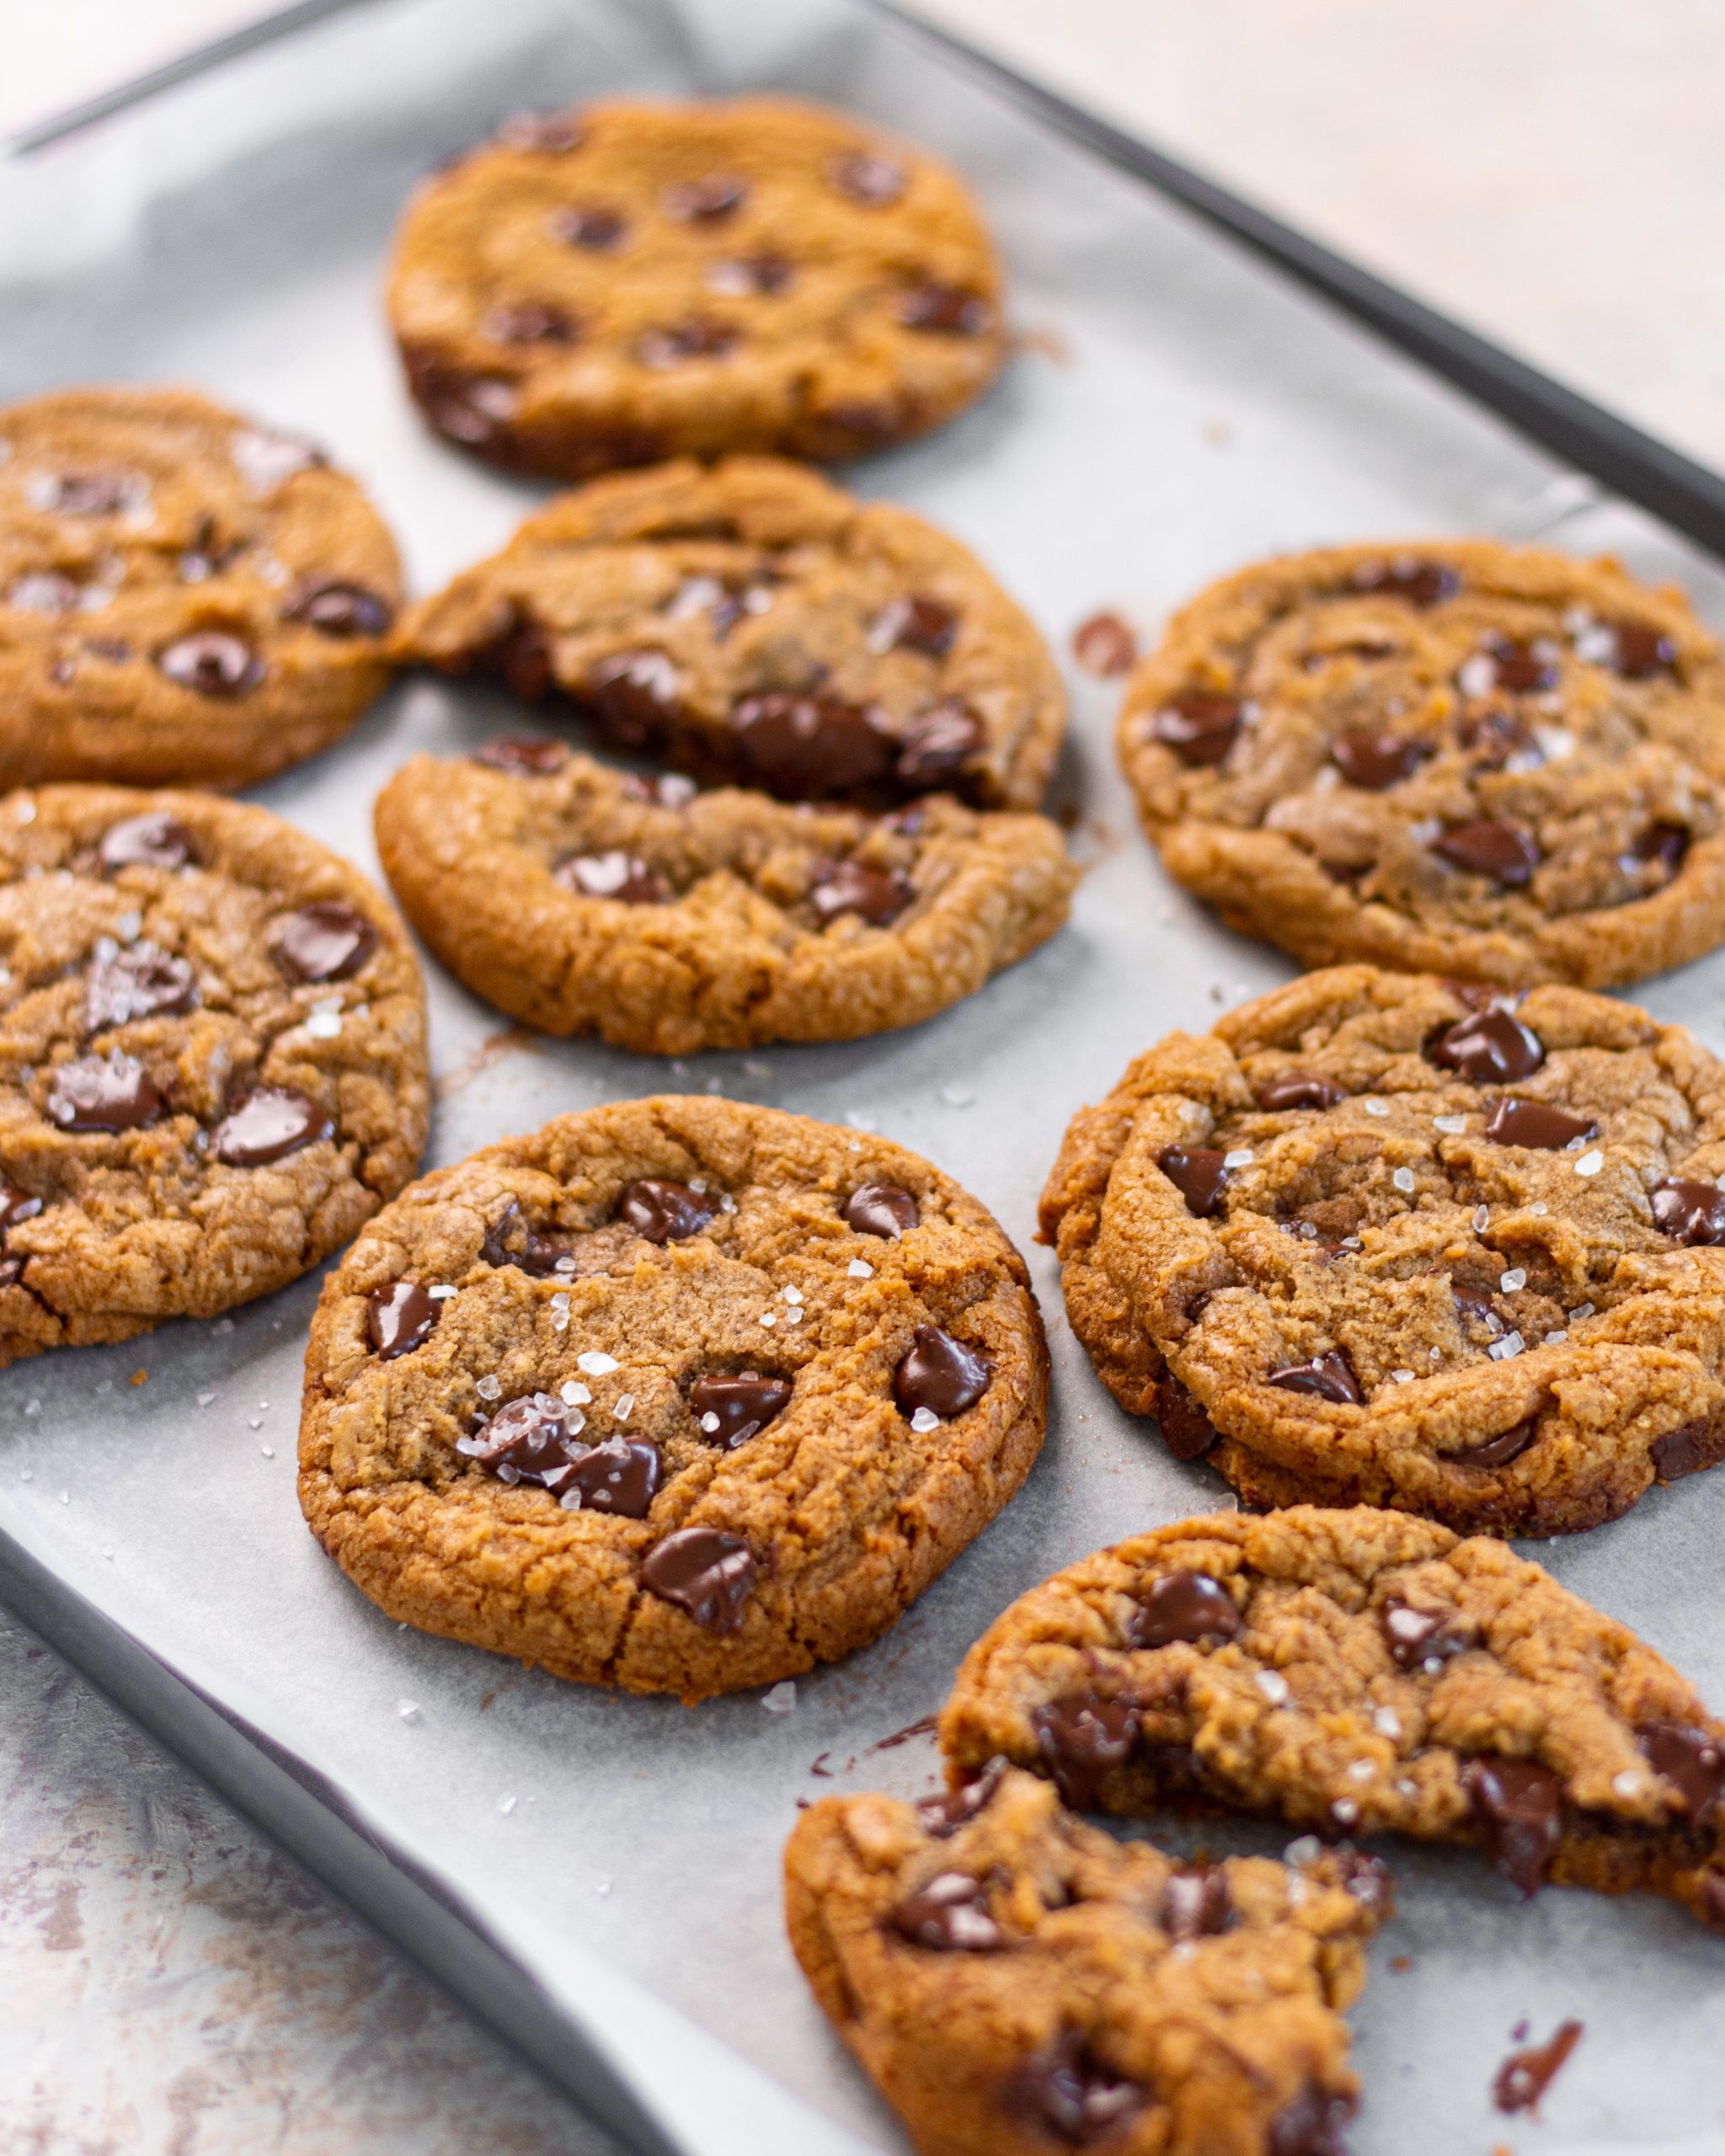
[753,623]
[186,598]
[678,1395]
[581,899]
[212,1059]
[1378,1238]
[1499,763]
[627,281]
[1017,1981]
[1353,1672]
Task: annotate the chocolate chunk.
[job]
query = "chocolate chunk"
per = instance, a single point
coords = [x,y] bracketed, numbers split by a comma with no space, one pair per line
[706,1573]
[1536,1125]
[1197,1904]
[474,409]
[1510,663]
[399,1318]
[592,226]
[624,876]
[732,1410]
[1516,1805]
[550,131]
[212,663]
[1375,761]
[1420,584]
[1199,726]
[1105,646]
[938,1817]
[529,321]
[1083,1737]
[1666,844]
[517,652]
[664,1212]
[1184,1606]
[339,610]
[937,744]
[1508,1444]
[325,941]
[16,1206]
[527,1440]
[1312,2124]
[1298,1089]
[949,1915]
[1491,1048]
[91,494]
[875,182]
[695,337]
[1422,1639]
[708,200]
[1328,1376]
[152,842]
[945,310]
[542,1255]
[1068,2092]
[1525,2076]
[1635,649]
[1474,1303]
[918,623]
[502,1237]
[801,747]
[633,696]
[110,1092]
[521,757]
[1493,737]
[880,1209]
[272,1123]
[142,982]
[1196,1172]
[878,895]
[1687,1450]
[1689,1211]
[751,276]
[619,1476]
[1503,852]
[940,1374]
[1691,1760]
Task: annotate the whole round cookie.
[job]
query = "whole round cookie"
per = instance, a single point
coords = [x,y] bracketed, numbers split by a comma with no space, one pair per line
[186,598]
[1380,1238]
[629,282]
[212,1059]
[1357,1672]
[677,1395]
[753,623]
[1495,762]
[583,899]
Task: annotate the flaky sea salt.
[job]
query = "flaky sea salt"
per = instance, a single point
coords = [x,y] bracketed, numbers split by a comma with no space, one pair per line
[1386,1722]
[408,1710]
[780,1699]
[623,1406]
[595,1364]
[791,1294]
[1590,1163]
[859,1269]
[1273,1686]
[1345,1811]
[1482,1219]
[1240,1157]
[925,1420]
[574,1394]
[1515,1278]
[1376,1106]
[1628,1783]
[1453,1124]
[505,1805]
[709,1422]
[1500,1351]
[769,1318]
[1363,1770]
[440,1295]
[1403,1179]
[489,1387]
[1305,1848]
[1402,1376]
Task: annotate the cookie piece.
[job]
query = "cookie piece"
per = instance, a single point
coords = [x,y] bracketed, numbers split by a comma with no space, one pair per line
[630,281]
[186,598]
[582,899]
[1495,762]
[1017,1981]
[1380,1239]
[664,1397]
[212,1059]
[1357,1672]
[753,624]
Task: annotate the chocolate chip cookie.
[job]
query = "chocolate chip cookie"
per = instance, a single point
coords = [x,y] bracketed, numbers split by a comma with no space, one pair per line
[186,598]
[1383,1239]
[630,281]
[1495,762]
[753,624]
[677,1395]
[1356,1671]
[212,1059]
[583,899]
[1017,1981]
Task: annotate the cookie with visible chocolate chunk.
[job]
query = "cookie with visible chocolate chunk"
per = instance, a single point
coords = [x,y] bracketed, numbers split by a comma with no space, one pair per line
[678,1395]
[212,1059]
[1359,1672]
[753,624]
[582,899]
[1499,763]
[1380,1239]
[1015,1981]
[629,282]
[186,598]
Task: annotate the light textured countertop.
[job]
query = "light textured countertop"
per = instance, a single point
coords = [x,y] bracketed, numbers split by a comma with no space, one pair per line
[1554,171]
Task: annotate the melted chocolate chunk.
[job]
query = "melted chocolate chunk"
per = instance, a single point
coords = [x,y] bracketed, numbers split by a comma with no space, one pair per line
[1186,1431]
[529,321]
[875,182]
[1421,583]
[1196,1172]
[399,1318]
[945,309]
[1375,761]
[1635,649]
[142,982]
[706,1573]
[1525,2076]
[1197,1904]
[1105,646]
[325,941]
[1503,852]
[940,1374]
[104,1092]
[1328,1376]
[527,1440]
[937,744]
[1508,1444]
[1068,2092]
[1666,844]
[1516,1805]
[801,747]
[697,337]
[664,1212]
[1311,2125]
[624,876]
[1691,1760]
[1493,1048]
[1083,1737]
[619,1476]
[938,1817]
[706,201]
[1688,1450]
[500,1244]
[1199,726]
[1298,1089]
[268,1126]
[916,624]
[521,757]
[1184,1606]
[152,842]
[16,1206]
[339,610]
[1536,1125]
[878,895]
[880,1209]
[633,696]
[1688,1211]
[732,1410]
[751,276]
[948,1915]
[518,653]
[1511,663]
[212,663]
[542,1255]
[599,229]
[548,131]
[1422,1639]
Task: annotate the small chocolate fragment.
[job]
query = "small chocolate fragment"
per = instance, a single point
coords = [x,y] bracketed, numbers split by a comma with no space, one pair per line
[1083,1737]
[1199,726]
[751,276]
[156,840]
[1186,1431]
[619,1476]
[938,1817]
[1196,1172]
[875,182]
[1328,1376]
[1510,663]
[1666,844]
[1421,583]
[1375,761]
[1476,1303]
[632,695]
[212,663]
[708,200]
[1105,646]
[915,623]
[624,876]
[1197,1904]
[542,1255]
[1687,1450]
[99,1093]
[1492,737]
[521,757]
[877,896]
[1503,852]
[695,337]
[501,1241]
[323,941]
[339,610]
[1536,1125]
[664,1212]
[940,1374]
[399,1318]
[1422,1639]
[1508,1444]
[594,227]
[936,745]
[529,321]
[1298,1089]
[801,747]
[549,131]
[1066,2091]
[142,982]
[706,1573]
[1493,1048]
[880,1209]
[1689,1211]
[517,652]
[271,1123]
[1516,1815]
[1525,2076]
[1636,650]
[945,309]
[732,1410]
[1691,1760]
[1312,2124]
[949,1915]
[1186,1606]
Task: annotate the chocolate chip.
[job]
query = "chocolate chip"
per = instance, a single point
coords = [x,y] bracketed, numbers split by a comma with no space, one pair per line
[325,941]
[800,747]
[1311,2125]
[90,493]
[1510,663]
[937,744]
[877,896]
[212,663]
[1375,761]
[664,1212]
[1664,845]
[705,1571]
[1197,1904]
[520,757]
[697,337]
[1536,1125]
[399,1318]
[1508,1444]
[1298,1089]
[1493,737]
[1516,1815]
[1688,1211]
[142,982]
[1083,1737]
[1635,649]
[940,1374]
[1068,2092]
[1328,1376]
[624,876]
[945,310]
[1687,1450]
[1691,1760]
[949,1915]
[1105,646]
[619,1476]
[527,1440]
[1196,1172]
[732,1410]
[529,321]
[1422,1639]
[518,653]
[875,182]
[542,130]
[939,1817]
[633,696]
[1491,1048]
[153,841]
[1503,852]
[751,276]
[592,226]
[272,1123]
[339,610]
[96,1092]
[1199,726]
[915,624]
[880,1209]
[707,200]
[1421,583]
[1186,1431]
[1182,1606]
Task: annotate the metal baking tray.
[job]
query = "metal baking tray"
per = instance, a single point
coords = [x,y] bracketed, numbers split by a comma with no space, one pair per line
[598,1875]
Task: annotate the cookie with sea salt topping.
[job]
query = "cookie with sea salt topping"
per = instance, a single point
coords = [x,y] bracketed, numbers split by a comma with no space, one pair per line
[1499,763]
[677,1395]
[629,282]
[582,899]
[753,623]
[1357,1670]
[1380,1239]
[186,598]
[212,1059]
[1016,1982]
